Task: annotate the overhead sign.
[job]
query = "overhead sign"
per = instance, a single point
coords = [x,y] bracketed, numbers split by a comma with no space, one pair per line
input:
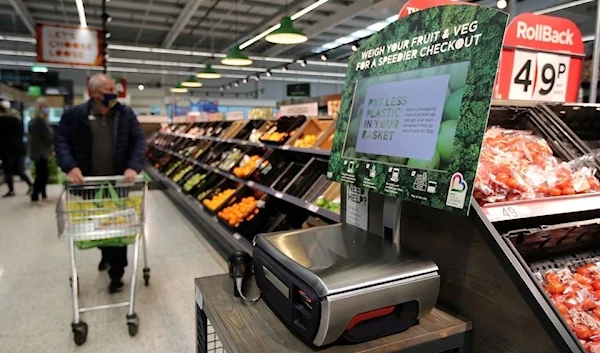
[415,106]
[62,44]
[413,6]
[306,109]
[298,90]
[541,60]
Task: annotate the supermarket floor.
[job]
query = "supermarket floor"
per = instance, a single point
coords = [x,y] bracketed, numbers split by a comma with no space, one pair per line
[35,299]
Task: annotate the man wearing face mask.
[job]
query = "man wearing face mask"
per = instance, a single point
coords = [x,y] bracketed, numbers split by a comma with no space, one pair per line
[98,138]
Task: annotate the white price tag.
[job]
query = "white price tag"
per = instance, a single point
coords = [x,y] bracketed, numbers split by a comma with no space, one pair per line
[285,147]
[552,77]
[539,76]
[313,208]
[250,183]
[237,236]
[507,213]
[523,75]
[278,195]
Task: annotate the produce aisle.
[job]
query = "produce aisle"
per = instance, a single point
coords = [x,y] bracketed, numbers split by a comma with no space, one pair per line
[35,302]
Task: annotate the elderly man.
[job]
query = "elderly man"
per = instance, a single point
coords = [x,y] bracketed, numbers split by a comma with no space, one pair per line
[98,138]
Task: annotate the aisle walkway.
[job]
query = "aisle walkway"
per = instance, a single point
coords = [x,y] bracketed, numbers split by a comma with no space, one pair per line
[35,299]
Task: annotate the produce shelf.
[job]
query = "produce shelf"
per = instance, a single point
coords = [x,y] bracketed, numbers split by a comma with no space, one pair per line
[313,151]
[267,190]
[197,215]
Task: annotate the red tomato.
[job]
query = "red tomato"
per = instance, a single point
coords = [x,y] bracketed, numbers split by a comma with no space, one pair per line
[555,288]
[555,192]
[562,309]
[588,304]
[596,313]
[582,332]
[597,294]
[568,191]
[552,277]
[512,183]
[502,178]
[584,271]
[582,279]
[596,285]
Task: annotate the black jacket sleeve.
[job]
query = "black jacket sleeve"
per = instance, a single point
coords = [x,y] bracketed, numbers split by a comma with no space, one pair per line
[137,143]
[62,137]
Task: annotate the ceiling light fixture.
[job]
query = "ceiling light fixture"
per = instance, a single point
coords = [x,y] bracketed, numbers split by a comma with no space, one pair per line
[269,74]
[245,80]
[107,35]
[191,82]
[236,58]
[236,84]
[284,68]
[501,4]
[286,33]
[562,6]
[293,17]
[106,17]
[228,87]
[81,13]
[354,47]
[221,89]
[323,57]
[141,87]
[208,73]
[179,88]
[302,63]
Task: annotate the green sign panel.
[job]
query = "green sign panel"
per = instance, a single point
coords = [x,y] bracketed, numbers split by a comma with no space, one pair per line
[415,106]
[34,91]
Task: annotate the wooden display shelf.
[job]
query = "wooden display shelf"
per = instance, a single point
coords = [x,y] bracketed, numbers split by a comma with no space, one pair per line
[243,328]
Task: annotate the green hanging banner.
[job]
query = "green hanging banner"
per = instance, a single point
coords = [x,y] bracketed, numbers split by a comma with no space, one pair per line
[415,106]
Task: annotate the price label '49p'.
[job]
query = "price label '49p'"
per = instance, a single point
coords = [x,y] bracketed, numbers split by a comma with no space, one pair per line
[539,76]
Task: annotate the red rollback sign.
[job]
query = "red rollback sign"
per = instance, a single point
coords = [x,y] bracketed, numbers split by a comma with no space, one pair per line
[541,60]
[418,5]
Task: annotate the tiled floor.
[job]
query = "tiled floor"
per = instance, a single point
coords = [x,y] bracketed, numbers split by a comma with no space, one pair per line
[35,299]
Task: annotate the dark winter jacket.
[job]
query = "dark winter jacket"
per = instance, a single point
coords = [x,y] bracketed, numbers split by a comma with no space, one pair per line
[40,139]
[11,136]
[73,140]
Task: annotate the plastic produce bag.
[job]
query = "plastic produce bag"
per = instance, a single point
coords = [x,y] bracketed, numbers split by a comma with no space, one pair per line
[516,165]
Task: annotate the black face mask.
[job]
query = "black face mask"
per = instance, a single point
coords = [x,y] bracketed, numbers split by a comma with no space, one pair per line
[109,100]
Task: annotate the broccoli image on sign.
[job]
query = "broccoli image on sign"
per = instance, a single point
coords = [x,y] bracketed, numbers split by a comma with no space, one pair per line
[415,106]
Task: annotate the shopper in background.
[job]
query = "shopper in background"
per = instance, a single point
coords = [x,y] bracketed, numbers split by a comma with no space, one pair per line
[12,148]
[40,148]
[98,138]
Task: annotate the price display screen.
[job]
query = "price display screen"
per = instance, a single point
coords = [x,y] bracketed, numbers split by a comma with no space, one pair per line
[407,118]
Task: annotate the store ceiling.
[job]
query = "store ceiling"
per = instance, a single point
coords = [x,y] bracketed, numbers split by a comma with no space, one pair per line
[217,25]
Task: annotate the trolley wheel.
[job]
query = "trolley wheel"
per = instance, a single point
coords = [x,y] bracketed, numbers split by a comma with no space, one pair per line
[146,277]
[80,331]
[133,323]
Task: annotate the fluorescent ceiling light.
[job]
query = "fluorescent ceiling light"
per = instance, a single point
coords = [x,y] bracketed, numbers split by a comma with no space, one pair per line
[589,38]
[135,48]
[81,12]
[294,17]
[562,6]
[165,72]
[356,35]
[201,66]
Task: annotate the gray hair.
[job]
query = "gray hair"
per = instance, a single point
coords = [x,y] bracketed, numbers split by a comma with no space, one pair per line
[97,80]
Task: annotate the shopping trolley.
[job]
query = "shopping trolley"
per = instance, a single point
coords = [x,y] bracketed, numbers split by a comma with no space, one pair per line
[103,211]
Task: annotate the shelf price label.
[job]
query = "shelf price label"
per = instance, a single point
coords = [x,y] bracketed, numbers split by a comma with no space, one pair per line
[506,213]
[313,208]
[539,76]
[541,60]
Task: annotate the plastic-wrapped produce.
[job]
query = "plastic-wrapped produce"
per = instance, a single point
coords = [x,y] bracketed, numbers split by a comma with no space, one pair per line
[516,165]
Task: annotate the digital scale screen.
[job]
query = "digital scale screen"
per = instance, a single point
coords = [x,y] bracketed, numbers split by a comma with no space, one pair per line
[408,118]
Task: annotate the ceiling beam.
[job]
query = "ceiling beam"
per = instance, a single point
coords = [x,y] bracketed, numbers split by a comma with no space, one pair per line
[338,18]
[26,17]
[189,10]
